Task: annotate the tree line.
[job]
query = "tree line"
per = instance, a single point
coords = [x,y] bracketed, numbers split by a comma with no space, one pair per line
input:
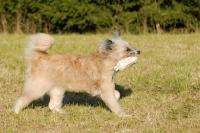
[81,16]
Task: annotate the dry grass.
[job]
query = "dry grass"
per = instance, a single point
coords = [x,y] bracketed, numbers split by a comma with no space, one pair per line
[161,92]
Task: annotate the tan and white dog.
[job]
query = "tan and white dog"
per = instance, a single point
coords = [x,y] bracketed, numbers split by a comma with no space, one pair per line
[57,73]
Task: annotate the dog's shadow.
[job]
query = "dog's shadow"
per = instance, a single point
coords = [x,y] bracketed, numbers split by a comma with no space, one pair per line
[82,98]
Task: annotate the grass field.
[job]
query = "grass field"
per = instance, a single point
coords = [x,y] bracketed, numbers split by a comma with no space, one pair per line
[161,92]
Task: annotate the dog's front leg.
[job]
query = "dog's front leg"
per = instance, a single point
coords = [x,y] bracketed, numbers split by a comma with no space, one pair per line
[108,96]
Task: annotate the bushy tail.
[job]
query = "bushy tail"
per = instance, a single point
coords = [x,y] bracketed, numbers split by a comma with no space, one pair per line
[38,43]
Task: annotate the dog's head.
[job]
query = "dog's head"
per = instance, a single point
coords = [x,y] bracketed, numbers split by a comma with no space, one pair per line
[117,48]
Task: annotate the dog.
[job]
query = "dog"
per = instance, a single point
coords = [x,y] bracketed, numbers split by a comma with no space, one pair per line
[54,74]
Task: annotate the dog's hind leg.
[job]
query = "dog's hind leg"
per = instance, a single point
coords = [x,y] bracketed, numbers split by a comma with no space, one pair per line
[33,89]
[56,97]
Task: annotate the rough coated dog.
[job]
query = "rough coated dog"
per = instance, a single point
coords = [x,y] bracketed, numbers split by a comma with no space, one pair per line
[55,74]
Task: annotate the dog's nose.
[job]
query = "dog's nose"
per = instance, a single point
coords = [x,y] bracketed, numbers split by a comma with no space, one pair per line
[138,52]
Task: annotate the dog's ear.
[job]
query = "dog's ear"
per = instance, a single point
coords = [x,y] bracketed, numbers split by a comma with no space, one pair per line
[108,45]
[117,34]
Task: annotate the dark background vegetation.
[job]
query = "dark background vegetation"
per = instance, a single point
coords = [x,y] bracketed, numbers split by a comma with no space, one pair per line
[99,16]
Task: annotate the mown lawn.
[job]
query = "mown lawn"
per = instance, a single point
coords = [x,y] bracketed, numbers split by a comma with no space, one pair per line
[161,91]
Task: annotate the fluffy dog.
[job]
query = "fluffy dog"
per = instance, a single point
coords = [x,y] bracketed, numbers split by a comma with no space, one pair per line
[57,73]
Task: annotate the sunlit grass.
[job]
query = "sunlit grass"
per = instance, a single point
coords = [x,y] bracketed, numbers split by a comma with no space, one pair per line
[161,92]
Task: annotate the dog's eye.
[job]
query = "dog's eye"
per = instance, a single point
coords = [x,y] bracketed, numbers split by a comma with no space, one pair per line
[128,49]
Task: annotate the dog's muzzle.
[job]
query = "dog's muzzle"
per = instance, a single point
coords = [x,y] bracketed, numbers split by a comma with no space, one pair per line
[135,52]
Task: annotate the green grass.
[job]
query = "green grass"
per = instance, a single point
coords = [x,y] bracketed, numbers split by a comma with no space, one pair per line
[161,92]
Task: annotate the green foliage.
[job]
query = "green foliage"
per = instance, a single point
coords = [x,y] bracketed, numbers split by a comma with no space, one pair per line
[61,16]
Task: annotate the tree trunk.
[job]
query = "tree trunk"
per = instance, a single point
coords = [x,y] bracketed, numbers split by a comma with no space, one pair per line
[27,26]
[159,30]
[127,25]
[18,21]
[145,28]
[4,23]
[33,27]
[46,30]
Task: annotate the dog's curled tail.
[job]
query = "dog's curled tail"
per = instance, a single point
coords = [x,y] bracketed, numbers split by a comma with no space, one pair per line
[38,43]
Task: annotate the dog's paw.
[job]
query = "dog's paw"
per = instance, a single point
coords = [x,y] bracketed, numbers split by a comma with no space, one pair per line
[117,94]
[16,109]
[122,114]
[59,111]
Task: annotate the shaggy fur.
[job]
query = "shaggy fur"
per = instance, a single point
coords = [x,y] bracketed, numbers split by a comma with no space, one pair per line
[57,73]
